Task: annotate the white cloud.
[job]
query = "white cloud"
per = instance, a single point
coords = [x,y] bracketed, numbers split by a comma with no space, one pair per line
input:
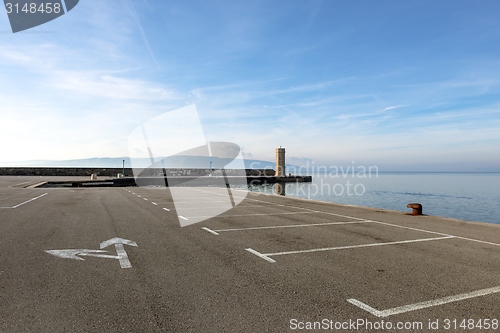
[393,107]
[105,85]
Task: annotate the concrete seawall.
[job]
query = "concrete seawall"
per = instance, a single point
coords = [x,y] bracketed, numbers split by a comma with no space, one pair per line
[128,172]
[106,177]
[175,181]
[207,181]
[56,171]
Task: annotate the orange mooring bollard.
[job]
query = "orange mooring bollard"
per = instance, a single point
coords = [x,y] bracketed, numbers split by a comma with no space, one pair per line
[417,208]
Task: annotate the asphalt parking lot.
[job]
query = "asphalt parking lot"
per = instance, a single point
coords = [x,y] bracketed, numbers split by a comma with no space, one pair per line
[117,259]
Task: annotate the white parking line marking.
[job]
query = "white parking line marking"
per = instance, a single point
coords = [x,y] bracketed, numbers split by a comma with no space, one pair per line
[410,228]
[210,231]
[291,226]
[437,233]
[389,224]
[257,214]
[356,218]
[359,246]
[309,210]
[423,305]
[477,241]
[199,203]
[204,205]
[263,256]
[168,210]
[29,200]
[20,184]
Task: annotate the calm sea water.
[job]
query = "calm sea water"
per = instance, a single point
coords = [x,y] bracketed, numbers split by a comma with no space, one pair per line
[465,196]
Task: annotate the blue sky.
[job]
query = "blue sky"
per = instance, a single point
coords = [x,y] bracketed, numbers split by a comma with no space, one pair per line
[404,85]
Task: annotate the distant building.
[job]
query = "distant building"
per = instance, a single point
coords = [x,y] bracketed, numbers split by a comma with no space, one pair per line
[280,162]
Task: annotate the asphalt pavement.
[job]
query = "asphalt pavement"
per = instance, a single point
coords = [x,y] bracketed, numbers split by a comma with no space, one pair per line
[118,260]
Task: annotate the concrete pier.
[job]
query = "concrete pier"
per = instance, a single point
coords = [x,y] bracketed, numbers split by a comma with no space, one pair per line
[268,264]
[175,181]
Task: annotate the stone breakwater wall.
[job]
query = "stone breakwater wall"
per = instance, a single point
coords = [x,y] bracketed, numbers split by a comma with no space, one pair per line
[112,172]
[34,171]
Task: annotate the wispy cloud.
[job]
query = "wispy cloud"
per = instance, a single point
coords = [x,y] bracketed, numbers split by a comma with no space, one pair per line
[393,107]
[109,86]
[137,20]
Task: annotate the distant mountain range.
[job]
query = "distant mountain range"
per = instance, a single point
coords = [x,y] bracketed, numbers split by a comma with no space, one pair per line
[204,162]
[117,162]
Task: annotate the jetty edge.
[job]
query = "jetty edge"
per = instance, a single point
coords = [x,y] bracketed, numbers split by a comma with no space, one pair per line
[119,177]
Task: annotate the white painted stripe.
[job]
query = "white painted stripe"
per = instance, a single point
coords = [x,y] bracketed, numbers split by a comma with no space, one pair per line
[389,224]
[205,205]
[426,304]
[385,223]
[182,217]
[290,206]
[168,210]
[210,231]
[437,233]
[478,241]
[365,307]
[359,246]
[154,203]
[249,206]
[263,256]
[123,256]
[256,214]
[311,210]
[199,203]
[354,218]
[291,226]
[30,200]
[410,228]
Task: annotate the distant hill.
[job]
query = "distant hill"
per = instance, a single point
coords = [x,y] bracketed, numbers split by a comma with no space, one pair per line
[117,162]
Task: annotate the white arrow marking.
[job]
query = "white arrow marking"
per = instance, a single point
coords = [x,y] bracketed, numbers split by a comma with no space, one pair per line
[75,253]
[120,250]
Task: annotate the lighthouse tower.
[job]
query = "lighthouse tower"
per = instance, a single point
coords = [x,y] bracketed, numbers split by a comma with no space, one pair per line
[280,162]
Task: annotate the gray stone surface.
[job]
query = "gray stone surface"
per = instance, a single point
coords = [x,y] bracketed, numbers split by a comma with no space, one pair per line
[191,280]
